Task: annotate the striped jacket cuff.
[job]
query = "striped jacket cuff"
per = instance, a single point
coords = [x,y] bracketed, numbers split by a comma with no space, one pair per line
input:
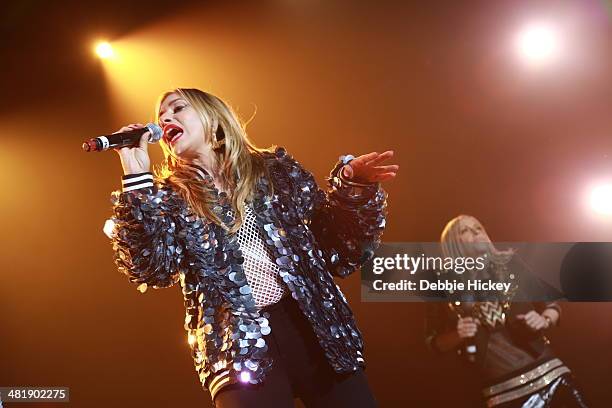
[219,381]
[135,181]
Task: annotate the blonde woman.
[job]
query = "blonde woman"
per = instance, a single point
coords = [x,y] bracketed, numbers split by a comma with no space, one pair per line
[501,340]
[254,243]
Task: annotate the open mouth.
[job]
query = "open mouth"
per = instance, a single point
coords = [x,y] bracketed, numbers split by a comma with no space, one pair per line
[172,132]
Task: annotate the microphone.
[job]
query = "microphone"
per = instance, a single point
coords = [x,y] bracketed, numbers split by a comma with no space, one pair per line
[470,350]
[123,139]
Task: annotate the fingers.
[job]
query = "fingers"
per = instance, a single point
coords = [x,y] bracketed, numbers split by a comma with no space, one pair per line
[382,177]
[468,331]
[365,158]
[384,172]
[141,144]
[373,158]
[540,325]
[348,171]
[365,167]
[392,168]
[379,158]
[470,321]
[129,127]
[537,325]
[467,327]
[144,141]
[531,317]
[533,320]
[526,315]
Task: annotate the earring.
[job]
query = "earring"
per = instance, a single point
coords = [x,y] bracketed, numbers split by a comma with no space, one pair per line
[218,139]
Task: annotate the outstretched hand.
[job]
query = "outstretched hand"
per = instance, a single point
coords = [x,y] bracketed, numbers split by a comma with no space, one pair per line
[368,169]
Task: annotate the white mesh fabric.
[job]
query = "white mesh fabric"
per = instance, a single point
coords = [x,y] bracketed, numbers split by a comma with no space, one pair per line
[261,271]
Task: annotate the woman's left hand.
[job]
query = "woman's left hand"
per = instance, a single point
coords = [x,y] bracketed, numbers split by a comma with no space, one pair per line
[367,168]
[534,320]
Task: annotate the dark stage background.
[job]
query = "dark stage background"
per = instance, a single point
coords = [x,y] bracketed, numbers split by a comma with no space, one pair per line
[473,130]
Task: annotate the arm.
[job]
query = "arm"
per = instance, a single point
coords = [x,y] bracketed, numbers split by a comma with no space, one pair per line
[545,316]
[144,236]
[345,220]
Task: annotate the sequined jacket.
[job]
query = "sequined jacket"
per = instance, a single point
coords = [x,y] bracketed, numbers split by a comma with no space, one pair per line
[313,236]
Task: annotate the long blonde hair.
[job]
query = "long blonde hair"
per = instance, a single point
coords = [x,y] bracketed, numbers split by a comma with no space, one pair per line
[242,163]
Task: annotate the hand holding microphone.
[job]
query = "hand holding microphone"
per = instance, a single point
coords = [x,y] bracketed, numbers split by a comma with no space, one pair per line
[467,327]
[135,159]
[130,142]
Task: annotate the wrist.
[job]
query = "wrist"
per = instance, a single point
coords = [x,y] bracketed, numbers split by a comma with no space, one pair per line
[346,176]
[131,165]
[549,321]
[128,171]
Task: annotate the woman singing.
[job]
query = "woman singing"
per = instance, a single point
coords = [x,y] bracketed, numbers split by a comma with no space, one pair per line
[501,339]
[254,243]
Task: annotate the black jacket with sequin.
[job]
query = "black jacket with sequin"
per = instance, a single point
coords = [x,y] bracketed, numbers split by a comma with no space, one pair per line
[312,235]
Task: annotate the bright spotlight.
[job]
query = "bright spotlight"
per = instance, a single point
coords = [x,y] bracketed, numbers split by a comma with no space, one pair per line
[104,50]
[601,199]
[538,44]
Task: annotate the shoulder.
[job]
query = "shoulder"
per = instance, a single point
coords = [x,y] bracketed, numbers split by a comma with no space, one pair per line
[278,155]
[287,174]
[278,159]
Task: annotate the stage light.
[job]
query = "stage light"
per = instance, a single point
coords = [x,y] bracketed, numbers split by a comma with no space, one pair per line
[104,50]
[538,44]
[601,199]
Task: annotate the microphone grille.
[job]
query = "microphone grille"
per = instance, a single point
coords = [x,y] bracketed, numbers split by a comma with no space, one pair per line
[156,132]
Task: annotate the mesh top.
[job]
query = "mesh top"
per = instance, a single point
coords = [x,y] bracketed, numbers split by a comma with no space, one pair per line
[261,271]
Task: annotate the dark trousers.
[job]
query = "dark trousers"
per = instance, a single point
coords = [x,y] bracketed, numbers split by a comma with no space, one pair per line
[300,370]
[561,393]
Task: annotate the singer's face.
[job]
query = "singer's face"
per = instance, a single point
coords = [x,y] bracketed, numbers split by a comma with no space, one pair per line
[183,129]
[473,233]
